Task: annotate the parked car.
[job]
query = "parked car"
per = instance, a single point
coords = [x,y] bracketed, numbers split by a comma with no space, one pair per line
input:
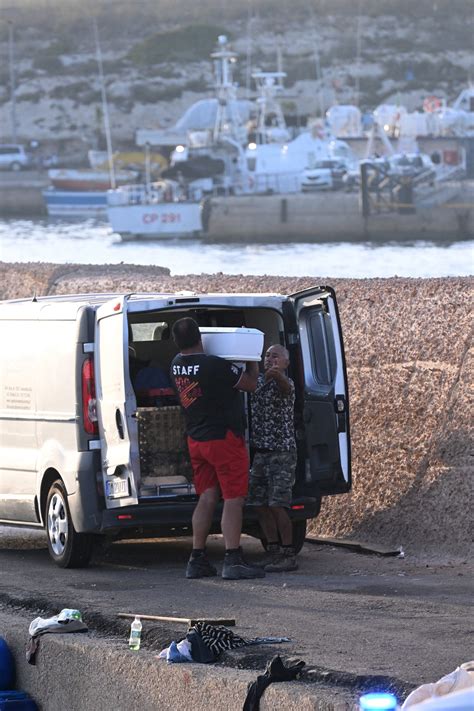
[82,459]
[13,157]
[412,164]
[326,174]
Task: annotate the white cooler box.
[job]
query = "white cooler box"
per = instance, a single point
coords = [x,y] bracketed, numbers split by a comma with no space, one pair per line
[236,344]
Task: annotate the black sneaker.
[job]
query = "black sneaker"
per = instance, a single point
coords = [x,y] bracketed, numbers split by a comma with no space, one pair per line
[200,567]
[273,551]
[235,568]
[283,562]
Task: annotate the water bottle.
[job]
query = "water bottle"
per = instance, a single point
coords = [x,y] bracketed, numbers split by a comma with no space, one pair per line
[135,634]
[69,614]
[379,701]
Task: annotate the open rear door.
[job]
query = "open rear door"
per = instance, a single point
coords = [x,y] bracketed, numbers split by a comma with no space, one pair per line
[116,406]
[326,403]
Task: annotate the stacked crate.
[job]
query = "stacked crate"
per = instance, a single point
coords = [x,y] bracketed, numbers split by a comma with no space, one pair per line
[164,457]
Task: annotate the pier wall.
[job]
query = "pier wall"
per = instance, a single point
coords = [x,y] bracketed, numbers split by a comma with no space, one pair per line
[324,216]
[21,194]
[410,364]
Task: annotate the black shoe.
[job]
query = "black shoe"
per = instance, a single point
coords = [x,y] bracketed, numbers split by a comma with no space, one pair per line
[235,568]
[273,551]
[200,567]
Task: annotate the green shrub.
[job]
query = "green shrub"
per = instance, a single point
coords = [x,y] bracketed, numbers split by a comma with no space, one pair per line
[33,96]
[50,63]
[70,91]
[146,94]
[188,44]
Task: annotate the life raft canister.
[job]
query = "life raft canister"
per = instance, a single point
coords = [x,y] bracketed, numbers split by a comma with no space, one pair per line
[431,104]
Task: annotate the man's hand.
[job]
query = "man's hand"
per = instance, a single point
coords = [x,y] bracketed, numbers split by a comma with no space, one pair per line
[279,377]
[248,379]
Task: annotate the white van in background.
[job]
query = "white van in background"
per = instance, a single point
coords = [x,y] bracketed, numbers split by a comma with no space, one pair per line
[82,456]
[13,156]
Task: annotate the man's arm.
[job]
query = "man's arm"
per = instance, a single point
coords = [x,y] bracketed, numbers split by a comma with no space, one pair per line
[280,378]
[248,380]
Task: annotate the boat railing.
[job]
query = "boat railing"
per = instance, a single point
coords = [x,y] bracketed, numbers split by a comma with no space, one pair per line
[277,183]
[151,194]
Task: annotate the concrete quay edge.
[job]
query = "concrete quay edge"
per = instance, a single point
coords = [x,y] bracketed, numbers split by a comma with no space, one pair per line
[82,672]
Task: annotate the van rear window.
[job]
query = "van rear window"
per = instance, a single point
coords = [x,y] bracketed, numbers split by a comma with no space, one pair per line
[323,355]
[152,331]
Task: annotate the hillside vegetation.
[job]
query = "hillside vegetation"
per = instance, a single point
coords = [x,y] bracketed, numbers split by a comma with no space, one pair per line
[156,56]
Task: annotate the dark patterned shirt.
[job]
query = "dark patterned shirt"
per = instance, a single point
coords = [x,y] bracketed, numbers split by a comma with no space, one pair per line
[273,425]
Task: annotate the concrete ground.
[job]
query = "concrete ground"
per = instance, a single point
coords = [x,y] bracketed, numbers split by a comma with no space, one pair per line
[350,617]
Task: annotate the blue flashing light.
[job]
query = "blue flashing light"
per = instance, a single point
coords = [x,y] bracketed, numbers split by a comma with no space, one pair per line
[378,702]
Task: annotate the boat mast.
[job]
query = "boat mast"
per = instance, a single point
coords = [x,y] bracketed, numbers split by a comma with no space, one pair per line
[227,119]
[269,84]
[317,63]
[105,108]
[11,61]
[358,51]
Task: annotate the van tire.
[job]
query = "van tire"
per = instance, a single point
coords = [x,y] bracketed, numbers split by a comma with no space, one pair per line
[15,166]
[299,534]
[67,548]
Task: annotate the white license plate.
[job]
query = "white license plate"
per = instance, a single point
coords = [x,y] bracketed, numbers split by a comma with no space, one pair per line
[116,488]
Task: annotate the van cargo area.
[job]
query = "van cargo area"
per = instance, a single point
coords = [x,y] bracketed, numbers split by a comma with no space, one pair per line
[100,448]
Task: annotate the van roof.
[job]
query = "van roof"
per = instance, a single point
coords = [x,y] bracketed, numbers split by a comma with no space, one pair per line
[100,298]
[66,306]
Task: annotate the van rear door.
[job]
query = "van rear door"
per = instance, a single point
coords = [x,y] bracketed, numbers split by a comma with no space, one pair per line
[116,406]
[317,327]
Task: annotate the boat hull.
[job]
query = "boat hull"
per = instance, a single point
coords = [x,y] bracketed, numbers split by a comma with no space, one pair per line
[166,220]
[86,180]
[64,203]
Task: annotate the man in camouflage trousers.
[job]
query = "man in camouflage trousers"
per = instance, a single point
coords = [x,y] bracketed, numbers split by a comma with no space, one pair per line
[273,470]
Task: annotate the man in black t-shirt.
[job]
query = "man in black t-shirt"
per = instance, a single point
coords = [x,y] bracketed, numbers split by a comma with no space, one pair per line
[208,389]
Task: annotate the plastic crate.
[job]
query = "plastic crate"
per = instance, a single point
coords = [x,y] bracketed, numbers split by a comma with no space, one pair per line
[162,443]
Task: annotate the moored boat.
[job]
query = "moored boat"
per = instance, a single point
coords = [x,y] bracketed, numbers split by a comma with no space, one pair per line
[73,203]
[156,211]
[88,179]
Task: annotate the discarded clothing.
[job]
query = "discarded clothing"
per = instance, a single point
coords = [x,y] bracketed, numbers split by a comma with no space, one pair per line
[461,679]
[177,653]
[59,624]
[208,641]
[275,671]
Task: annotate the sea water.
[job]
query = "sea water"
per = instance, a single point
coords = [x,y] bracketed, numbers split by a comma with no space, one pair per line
[93,242]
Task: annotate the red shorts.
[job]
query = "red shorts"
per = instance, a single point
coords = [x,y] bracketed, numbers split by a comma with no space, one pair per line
[221,462]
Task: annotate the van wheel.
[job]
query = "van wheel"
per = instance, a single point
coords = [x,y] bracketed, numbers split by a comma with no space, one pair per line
[67,548]
[15,166]
[299,534]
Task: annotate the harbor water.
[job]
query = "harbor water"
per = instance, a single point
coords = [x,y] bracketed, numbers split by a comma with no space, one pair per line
[92,242]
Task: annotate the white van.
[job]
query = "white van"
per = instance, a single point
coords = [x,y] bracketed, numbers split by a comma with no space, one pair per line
[82,455]
[13,156]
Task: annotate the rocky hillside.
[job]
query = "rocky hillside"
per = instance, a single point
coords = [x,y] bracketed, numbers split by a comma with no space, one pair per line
[156,58]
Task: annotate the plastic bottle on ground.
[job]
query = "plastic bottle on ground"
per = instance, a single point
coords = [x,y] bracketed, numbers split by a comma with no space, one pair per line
[135,634]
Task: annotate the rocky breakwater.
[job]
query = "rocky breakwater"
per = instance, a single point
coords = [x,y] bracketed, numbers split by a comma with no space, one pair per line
[410,361]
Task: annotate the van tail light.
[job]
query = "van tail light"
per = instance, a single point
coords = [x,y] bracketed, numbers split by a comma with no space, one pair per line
[89,403]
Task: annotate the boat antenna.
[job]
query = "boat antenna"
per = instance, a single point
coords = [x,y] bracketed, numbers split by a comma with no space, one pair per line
[11,62]
[105,108]
[358,52]
[317,62]
[248,72]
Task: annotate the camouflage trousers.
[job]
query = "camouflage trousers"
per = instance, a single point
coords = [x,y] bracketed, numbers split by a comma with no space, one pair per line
[271,479]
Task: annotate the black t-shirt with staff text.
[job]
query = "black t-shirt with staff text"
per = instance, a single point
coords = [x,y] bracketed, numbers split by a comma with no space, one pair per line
[206,388]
